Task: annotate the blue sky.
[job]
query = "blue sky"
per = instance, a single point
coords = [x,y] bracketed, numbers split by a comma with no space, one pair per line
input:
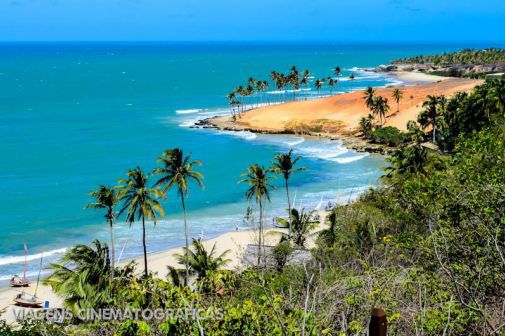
[301,20]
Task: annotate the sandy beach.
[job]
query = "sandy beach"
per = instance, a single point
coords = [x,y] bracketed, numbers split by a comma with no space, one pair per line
[340,114]
[417,77]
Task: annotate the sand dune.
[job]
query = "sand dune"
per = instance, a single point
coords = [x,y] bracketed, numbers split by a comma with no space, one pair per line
[341,113]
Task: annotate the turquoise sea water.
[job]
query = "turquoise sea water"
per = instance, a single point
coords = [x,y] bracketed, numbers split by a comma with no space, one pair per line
[73,116]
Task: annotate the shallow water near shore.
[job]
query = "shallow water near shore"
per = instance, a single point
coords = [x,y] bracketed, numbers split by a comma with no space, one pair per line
[73,116]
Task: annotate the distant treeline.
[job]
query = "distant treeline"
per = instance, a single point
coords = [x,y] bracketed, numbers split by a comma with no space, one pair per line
[466,56]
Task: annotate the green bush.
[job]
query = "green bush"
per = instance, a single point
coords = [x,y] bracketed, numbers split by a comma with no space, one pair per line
[390,136]
[281,253]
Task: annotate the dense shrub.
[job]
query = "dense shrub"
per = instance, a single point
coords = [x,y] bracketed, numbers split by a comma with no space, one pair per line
[390,136]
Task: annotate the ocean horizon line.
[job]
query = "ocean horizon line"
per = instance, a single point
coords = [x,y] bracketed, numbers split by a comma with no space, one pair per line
[263,42]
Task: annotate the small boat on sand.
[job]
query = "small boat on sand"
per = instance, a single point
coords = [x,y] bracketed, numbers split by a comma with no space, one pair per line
[28,301]
[16,280]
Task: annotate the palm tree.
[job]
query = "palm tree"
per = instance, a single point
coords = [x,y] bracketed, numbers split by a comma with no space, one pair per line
[278,79]
[303,82]
[140,202]
[432,113]
[397,96]
[259,180]
[82,276]
[369,97]
[318,84]
[259,89]
[283,82]
[416,134]
[231,100]
[329,235]
[250,92]
[178,170]
[106,198]
[305,78]
[300,224]
[285,164]
[295,84]
[337,71]
[251,86]
[407,160]
[380,107]
[274,77]
[331,83]
[294,80]
[202,261]
[264,88]
[366,125]
[240,91]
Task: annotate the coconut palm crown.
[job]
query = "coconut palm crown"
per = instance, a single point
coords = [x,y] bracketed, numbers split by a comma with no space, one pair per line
[140,202]
[106,198]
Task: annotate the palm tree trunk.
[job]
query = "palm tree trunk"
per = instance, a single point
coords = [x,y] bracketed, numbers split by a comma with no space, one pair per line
[113,249]
[144,245]
[187,239]
[289,209]
[260,240]
[434,130]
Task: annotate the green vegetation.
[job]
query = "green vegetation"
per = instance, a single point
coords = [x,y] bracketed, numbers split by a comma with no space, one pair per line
[379,107]
[201,261]
[389,135]
[428,247]
[466,56]
[300,225]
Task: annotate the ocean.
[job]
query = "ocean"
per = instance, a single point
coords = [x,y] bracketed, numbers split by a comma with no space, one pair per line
[77,115]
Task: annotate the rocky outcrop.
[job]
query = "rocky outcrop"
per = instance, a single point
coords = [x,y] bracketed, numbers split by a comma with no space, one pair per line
[351,141]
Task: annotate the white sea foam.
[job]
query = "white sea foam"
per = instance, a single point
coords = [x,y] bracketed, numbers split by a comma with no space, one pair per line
[187,123]
[349,159]
[188,111]
[354,69]
[6,260]
[245,134]
[341,196]
[395,83]
[368,77]
[275,92]
[324,150]
[296,141]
